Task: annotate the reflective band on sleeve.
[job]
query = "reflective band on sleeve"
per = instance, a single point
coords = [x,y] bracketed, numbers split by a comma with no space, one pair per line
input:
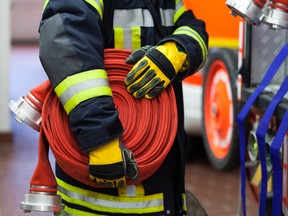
[83,86]
[192,33]
[180,9]
[110,204]
[98,5]
[45,4]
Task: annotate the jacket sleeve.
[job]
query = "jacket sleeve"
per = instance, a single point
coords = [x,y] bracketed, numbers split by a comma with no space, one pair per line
[190,33]
[71,52]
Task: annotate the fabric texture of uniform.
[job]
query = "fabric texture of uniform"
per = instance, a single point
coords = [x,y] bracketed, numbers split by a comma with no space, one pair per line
[73,36]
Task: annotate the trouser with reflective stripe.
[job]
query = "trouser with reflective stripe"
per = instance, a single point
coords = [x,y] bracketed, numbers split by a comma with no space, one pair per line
[161,194]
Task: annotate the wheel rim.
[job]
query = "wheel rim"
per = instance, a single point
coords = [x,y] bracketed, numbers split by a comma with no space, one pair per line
[218,112]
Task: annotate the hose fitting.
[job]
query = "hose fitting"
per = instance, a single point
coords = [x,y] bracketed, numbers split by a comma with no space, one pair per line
[250,10]
[276,14]
[41,201]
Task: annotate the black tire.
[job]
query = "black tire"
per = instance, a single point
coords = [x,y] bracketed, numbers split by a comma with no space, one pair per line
[194,207]
[221,64]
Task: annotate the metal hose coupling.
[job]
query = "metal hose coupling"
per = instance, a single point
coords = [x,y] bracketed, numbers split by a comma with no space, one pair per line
[42,201]
[276,14]
[250,10]
[43,186]
[253,149]
[28,109]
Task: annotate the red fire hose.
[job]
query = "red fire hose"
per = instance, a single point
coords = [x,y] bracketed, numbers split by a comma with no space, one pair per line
[260,3]
[149,126]
[279,4]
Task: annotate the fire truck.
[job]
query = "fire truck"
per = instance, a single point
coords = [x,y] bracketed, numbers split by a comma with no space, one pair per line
[256,107]
[210,95]
[262,120]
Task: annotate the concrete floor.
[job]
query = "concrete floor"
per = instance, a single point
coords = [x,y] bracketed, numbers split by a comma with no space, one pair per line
[217,192]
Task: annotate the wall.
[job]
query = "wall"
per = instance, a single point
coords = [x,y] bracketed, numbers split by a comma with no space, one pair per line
[5,125]
[25,18]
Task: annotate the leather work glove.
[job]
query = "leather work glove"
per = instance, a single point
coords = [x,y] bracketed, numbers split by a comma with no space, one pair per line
[110,164]
[155,70]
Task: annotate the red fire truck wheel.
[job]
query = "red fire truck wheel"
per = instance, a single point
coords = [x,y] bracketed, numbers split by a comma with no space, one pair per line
[220,107]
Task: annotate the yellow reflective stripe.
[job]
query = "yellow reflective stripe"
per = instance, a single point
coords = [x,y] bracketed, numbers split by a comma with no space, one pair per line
[98,5]
[192,33]
[136,41]
[223,42]
[179,10]
[80,77]
[45,4]
[132,37]
[184,202]
[85,95]
[108,203]
[67,211]
[80,87]
[118,37]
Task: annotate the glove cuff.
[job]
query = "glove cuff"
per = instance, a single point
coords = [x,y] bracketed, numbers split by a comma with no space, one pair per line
[111,150]
[174,53]
[162,61]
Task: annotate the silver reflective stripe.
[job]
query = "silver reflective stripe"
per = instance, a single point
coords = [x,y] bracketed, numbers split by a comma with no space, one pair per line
[134,17]
[127,34]
[167,17]
[82,86]
[110,203]
[179,4]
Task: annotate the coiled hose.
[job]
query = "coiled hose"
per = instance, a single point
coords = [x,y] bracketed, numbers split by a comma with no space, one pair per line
[150,126]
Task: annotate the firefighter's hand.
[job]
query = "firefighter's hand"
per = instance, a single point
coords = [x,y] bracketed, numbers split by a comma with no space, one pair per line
[134,57]
[112,164]
[155,70]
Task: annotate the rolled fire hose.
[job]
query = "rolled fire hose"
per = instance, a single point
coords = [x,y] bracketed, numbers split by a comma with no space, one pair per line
[150,126]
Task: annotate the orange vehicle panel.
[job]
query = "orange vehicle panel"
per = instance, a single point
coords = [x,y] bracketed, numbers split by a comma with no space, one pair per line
[221,26]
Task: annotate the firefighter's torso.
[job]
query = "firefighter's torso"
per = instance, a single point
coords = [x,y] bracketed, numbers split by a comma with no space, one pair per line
[124,24]
[132,24]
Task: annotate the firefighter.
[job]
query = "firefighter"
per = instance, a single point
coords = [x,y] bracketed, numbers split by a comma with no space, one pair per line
[169,44]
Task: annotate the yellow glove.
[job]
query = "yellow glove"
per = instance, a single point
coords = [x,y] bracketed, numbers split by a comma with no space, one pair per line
[111,164]
[155,70]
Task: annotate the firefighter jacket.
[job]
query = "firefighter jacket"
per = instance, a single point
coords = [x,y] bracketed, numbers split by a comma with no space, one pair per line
[73,36]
